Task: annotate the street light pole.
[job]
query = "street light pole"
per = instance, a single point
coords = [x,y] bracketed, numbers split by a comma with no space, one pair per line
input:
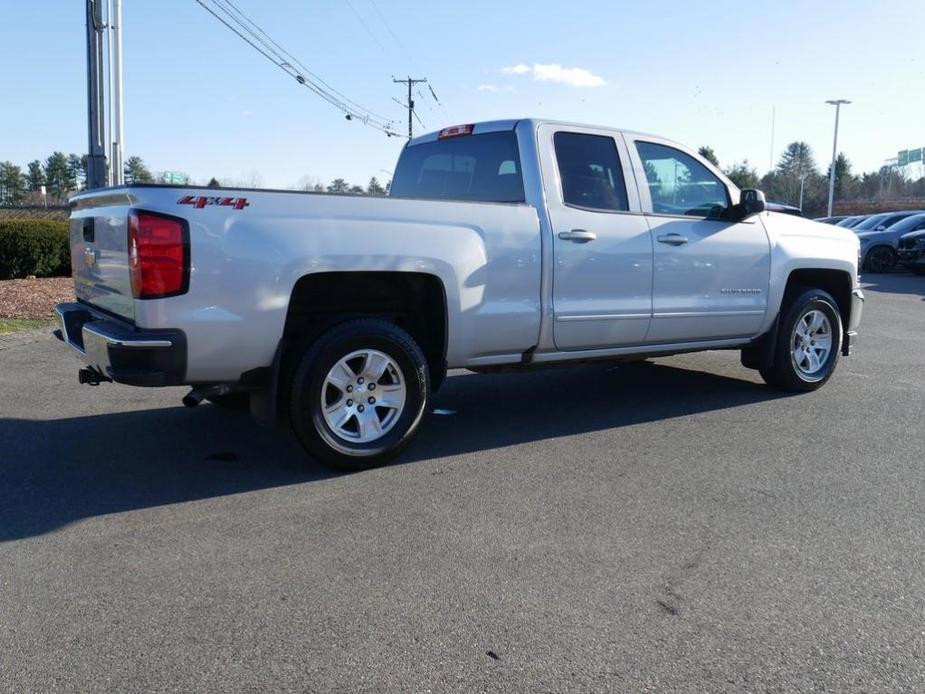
[118,133]
[837,104]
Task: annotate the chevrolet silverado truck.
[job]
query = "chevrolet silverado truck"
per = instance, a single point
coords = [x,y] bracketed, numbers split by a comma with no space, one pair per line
[512,244]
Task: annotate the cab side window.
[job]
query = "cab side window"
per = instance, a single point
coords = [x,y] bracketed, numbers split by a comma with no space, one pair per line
[681,185]
[589,168]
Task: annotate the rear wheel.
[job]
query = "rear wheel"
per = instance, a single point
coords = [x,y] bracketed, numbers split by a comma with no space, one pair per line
[808,342]
[880,259]
[358,394]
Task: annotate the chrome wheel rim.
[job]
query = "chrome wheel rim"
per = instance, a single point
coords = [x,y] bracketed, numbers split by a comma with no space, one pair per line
[363,396]
[811,344]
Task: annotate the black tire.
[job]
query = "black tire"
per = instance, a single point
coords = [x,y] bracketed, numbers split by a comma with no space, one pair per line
[785,373]
[306,414]
[236,401]
[880,259]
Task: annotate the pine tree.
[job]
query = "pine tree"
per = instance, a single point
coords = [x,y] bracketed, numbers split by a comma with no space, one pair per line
[12,183]
[339,186]
[35,176]
[708,154]
[57,176]
[136,171]
[374,188]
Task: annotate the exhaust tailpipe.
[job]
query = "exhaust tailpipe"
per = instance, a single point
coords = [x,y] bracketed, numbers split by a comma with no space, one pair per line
[197,395]
[193,398]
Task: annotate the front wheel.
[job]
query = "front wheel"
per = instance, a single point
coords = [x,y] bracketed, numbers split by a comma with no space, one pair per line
[358,394]
[808,342]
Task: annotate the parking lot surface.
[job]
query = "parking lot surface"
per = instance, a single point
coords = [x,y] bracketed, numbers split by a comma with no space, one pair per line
[670,527]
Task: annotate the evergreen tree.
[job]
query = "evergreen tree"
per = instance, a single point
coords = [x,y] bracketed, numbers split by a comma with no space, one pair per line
[136,171]
[743,175]
[374,188]
[57,176]
[12,183]
[339,186]
[843,179]
[77,171]
[708,154]
[35,176]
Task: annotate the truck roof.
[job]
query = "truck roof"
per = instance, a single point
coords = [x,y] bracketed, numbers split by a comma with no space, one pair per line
[491,126]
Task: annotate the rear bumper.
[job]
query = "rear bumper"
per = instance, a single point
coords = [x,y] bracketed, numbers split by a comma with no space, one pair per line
[851,332]
[120,351]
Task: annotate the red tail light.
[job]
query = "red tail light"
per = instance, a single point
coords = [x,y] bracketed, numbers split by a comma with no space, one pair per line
[158,247]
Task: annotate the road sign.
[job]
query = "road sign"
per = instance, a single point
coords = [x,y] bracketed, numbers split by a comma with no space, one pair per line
[903,157]
[915,154]
[175,177]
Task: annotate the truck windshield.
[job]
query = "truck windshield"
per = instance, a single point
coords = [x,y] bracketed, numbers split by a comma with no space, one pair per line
[484,167]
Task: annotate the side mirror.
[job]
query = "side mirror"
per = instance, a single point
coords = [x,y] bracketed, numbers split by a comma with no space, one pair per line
[752,202]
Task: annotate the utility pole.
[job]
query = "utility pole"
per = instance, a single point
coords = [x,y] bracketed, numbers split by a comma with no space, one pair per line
[410,105]
[837,104]
[115,30]
[96,154]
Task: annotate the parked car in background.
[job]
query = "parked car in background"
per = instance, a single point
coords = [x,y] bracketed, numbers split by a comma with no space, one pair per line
[911,250]
[880,249]
[883,220]
[851,222]
[831,220]
[783,208]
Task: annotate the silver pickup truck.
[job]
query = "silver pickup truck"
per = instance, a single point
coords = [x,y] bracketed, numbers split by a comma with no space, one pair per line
[502,245]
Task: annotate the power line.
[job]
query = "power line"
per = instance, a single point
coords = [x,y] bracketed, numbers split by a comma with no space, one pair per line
[286,56]
[261,42]
[401,45]
[280,56]
[388,27]
[365,25]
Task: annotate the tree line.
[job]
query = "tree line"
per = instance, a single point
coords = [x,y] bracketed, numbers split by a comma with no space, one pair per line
[64,174]
[797,168]
[61,174]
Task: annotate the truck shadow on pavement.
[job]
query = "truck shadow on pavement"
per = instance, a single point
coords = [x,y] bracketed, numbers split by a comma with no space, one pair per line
[59,471]
[904,283]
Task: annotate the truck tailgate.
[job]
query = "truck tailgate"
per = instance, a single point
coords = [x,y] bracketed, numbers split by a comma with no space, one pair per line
[99,254]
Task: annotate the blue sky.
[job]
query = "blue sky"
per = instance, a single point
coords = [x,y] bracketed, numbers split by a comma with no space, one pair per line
[199,100]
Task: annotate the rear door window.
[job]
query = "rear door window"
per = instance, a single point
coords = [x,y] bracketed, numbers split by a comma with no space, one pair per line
[590,171]
[483,167]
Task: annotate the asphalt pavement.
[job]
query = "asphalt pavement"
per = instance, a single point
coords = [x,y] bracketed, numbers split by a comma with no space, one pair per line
[671,527]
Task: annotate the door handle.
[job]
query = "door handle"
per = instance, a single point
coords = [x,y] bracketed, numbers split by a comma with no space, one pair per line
[673,239]
[580,235]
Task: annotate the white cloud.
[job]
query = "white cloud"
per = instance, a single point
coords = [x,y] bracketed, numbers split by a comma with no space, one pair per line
[553,72]
[494,88]
[516,69]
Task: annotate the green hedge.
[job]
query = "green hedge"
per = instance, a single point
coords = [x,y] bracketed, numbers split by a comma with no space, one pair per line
[34,247]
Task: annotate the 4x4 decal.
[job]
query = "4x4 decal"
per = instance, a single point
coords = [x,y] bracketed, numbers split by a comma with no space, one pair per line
[200,201]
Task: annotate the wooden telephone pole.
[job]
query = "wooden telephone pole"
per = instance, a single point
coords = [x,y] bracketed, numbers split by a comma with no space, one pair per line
[410,81]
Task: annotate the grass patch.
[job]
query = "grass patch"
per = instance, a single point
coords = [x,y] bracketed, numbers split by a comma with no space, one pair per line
[15,325]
